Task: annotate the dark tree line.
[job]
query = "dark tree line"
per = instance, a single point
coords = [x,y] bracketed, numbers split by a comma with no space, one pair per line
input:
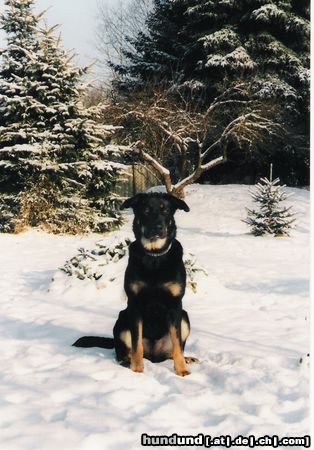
[196,50]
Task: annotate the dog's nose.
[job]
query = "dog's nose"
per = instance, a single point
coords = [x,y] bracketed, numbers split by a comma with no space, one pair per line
[157,231]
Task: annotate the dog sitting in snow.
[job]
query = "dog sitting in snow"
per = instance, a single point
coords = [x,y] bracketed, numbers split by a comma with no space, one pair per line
[154,325]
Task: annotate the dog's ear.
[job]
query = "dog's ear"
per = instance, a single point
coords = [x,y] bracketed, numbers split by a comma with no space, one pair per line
[132,202]
[177,203]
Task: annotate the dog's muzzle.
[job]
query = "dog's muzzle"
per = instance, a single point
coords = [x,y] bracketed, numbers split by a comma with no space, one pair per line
[156,233]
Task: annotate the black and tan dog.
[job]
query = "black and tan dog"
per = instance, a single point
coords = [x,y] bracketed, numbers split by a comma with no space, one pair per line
[153,325]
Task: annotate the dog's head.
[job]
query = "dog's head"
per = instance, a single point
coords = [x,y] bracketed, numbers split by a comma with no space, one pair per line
[154,225]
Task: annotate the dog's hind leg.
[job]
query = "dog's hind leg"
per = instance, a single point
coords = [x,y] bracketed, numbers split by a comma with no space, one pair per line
[122,340]
[129,342]
[185,327]
[185,332]
[123,348]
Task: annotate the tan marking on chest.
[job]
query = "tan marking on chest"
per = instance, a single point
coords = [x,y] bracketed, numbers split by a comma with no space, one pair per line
[137,286]
[174,288]
[153,245]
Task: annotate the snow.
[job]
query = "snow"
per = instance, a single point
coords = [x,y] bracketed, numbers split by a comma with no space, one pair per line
[272,13]
[265,12]
[226,37]
[24,148]
[237,59]
[250,327]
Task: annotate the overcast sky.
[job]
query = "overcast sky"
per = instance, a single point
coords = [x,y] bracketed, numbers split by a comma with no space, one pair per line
[78,22]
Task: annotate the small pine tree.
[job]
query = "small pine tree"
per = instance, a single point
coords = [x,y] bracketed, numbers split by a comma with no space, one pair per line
[271,218]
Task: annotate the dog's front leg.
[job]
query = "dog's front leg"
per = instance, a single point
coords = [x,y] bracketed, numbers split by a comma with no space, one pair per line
[137,345]
[177,350]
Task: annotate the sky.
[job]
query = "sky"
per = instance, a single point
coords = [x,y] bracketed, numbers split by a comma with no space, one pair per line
[78,23]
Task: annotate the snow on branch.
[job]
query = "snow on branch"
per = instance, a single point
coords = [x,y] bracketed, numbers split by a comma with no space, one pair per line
[163,171]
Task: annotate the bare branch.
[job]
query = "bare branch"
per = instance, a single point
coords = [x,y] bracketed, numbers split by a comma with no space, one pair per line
[163,171]
[225,103]
[190,142]
[197,173]
[210,148]
[211,164]
[116,25]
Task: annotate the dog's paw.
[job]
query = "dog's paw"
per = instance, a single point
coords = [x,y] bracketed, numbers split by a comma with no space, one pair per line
[137,367]
[183,372]
[191,360]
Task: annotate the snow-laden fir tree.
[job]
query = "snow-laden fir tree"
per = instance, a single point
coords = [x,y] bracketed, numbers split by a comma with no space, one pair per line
[199,42]
[271,217]
[159,48]
[82,174]
[19,109]
[203,47]
[53,156]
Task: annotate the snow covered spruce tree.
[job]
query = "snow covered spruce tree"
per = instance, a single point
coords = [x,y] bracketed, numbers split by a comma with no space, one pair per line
[202,47]
[54,170]
[161,47]
[202,41]
[271,217]
[20,111]
[82,174]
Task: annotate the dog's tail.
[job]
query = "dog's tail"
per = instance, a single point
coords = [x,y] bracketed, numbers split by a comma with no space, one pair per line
[94,341]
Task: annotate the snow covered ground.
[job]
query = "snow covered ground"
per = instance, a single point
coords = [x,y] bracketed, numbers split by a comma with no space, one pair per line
[250,327]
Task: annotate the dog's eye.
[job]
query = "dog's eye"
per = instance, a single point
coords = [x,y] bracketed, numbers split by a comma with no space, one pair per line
[164,209]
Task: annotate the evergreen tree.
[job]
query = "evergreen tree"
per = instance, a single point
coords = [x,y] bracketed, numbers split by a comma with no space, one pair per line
[20,109]
[270,218]
[202,41]
[161,53]
[202,47]
[82,173]
[53,156]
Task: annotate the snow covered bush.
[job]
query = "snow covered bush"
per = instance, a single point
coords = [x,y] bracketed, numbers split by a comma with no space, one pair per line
[270,218]
[99,263]
[192,269]
[91,263]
